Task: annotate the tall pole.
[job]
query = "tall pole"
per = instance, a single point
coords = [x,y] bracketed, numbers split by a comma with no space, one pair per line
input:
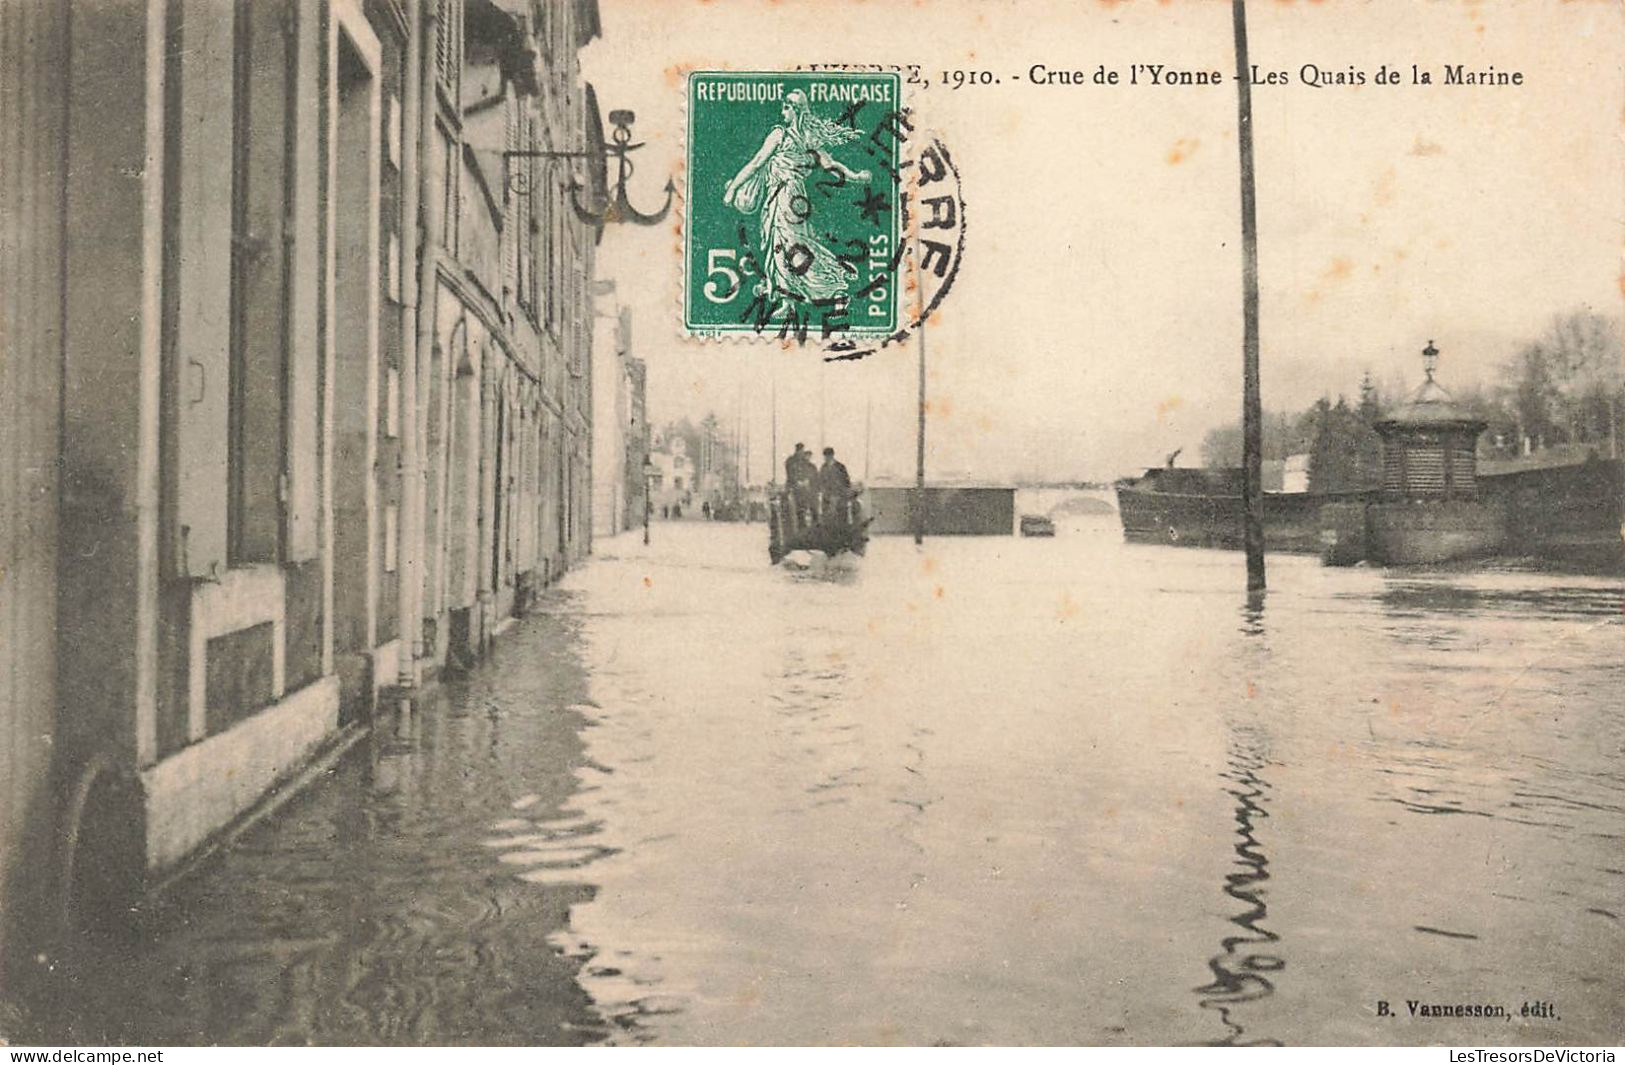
[868,428]
[1252,418]
[823,440]
[773,444]
[919,438]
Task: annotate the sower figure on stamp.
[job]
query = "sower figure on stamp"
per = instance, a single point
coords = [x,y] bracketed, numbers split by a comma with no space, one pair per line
[801,477]
[797,265]
[834,488]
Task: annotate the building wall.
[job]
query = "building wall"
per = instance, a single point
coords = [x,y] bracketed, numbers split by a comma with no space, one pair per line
[613,426]
[508,391]
[303,476]
[638,445]
[115,677]
[675,482]
[33,71]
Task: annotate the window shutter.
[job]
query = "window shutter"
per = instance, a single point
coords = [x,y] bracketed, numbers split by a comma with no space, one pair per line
[442,40]
[449,47]
[202,364]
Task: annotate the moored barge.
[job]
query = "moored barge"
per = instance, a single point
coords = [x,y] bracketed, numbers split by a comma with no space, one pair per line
[1435,504]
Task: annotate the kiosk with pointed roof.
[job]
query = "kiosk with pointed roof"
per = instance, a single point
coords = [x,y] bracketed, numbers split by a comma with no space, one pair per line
[1430,509]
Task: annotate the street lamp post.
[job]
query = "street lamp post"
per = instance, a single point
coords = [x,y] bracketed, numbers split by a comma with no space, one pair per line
[648,496]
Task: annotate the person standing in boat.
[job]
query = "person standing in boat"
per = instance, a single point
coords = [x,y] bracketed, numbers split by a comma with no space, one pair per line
[801,478]
[834,487]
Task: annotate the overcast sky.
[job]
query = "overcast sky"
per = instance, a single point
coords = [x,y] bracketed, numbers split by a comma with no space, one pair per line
[1096,322]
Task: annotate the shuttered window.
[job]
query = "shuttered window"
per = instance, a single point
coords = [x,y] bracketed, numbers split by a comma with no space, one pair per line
[448,47]
[549,225]
[243,331]
[451,207]
[259,262]
[524,233]
[1463,467]
[203,70]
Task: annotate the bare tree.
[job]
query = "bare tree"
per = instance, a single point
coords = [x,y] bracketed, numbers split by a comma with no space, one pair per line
[1567,385]
[1589,366]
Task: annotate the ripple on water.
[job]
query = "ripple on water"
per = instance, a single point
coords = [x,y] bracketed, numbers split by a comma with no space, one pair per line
[1089,794]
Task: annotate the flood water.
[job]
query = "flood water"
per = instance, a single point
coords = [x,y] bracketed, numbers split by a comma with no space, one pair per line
[991,791]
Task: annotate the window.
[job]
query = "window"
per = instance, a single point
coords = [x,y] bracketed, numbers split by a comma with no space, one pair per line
[392,131]
[392,404]
[448,48]
[391,537]
[550,255]
[259,264]
[450,179]
[204,77]
[244,370]
[392,268]
[524,218]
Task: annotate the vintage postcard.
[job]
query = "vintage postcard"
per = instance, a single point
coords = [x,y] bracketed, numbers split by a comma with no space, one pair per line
[813,522]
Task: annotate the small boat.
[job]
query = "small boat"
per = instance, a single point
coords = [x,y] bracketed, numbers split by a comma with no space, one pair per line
[1037,525]
[837,531]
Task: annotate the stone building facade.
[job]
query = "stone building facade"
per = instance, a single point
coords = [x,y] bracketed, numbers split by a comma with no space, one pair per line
[620,430]
[296,398]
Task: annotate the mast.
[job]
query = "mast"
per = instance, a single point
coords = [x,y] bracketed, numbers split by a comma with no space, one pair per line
[1252,460]
[868,428]
[823,440]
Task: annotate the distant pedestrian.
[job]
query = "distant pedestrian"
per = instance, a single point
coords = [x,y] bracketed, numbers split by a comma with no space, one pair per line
[705,510]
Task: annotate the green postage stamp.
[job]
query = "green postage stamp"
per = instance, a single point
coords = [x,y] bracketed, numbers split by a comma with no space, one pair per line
[791,221]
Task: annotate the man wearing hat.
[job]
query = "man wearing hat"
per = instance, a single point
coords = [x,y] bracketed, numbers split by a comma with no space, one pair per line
[834,487]
[801,477]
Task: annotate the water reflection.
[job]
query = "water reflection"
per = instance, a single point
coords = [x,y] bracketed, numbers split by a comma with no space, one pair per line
[1241,972]
[1413,597]
[963,796]
[1252,613]
[373,909]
